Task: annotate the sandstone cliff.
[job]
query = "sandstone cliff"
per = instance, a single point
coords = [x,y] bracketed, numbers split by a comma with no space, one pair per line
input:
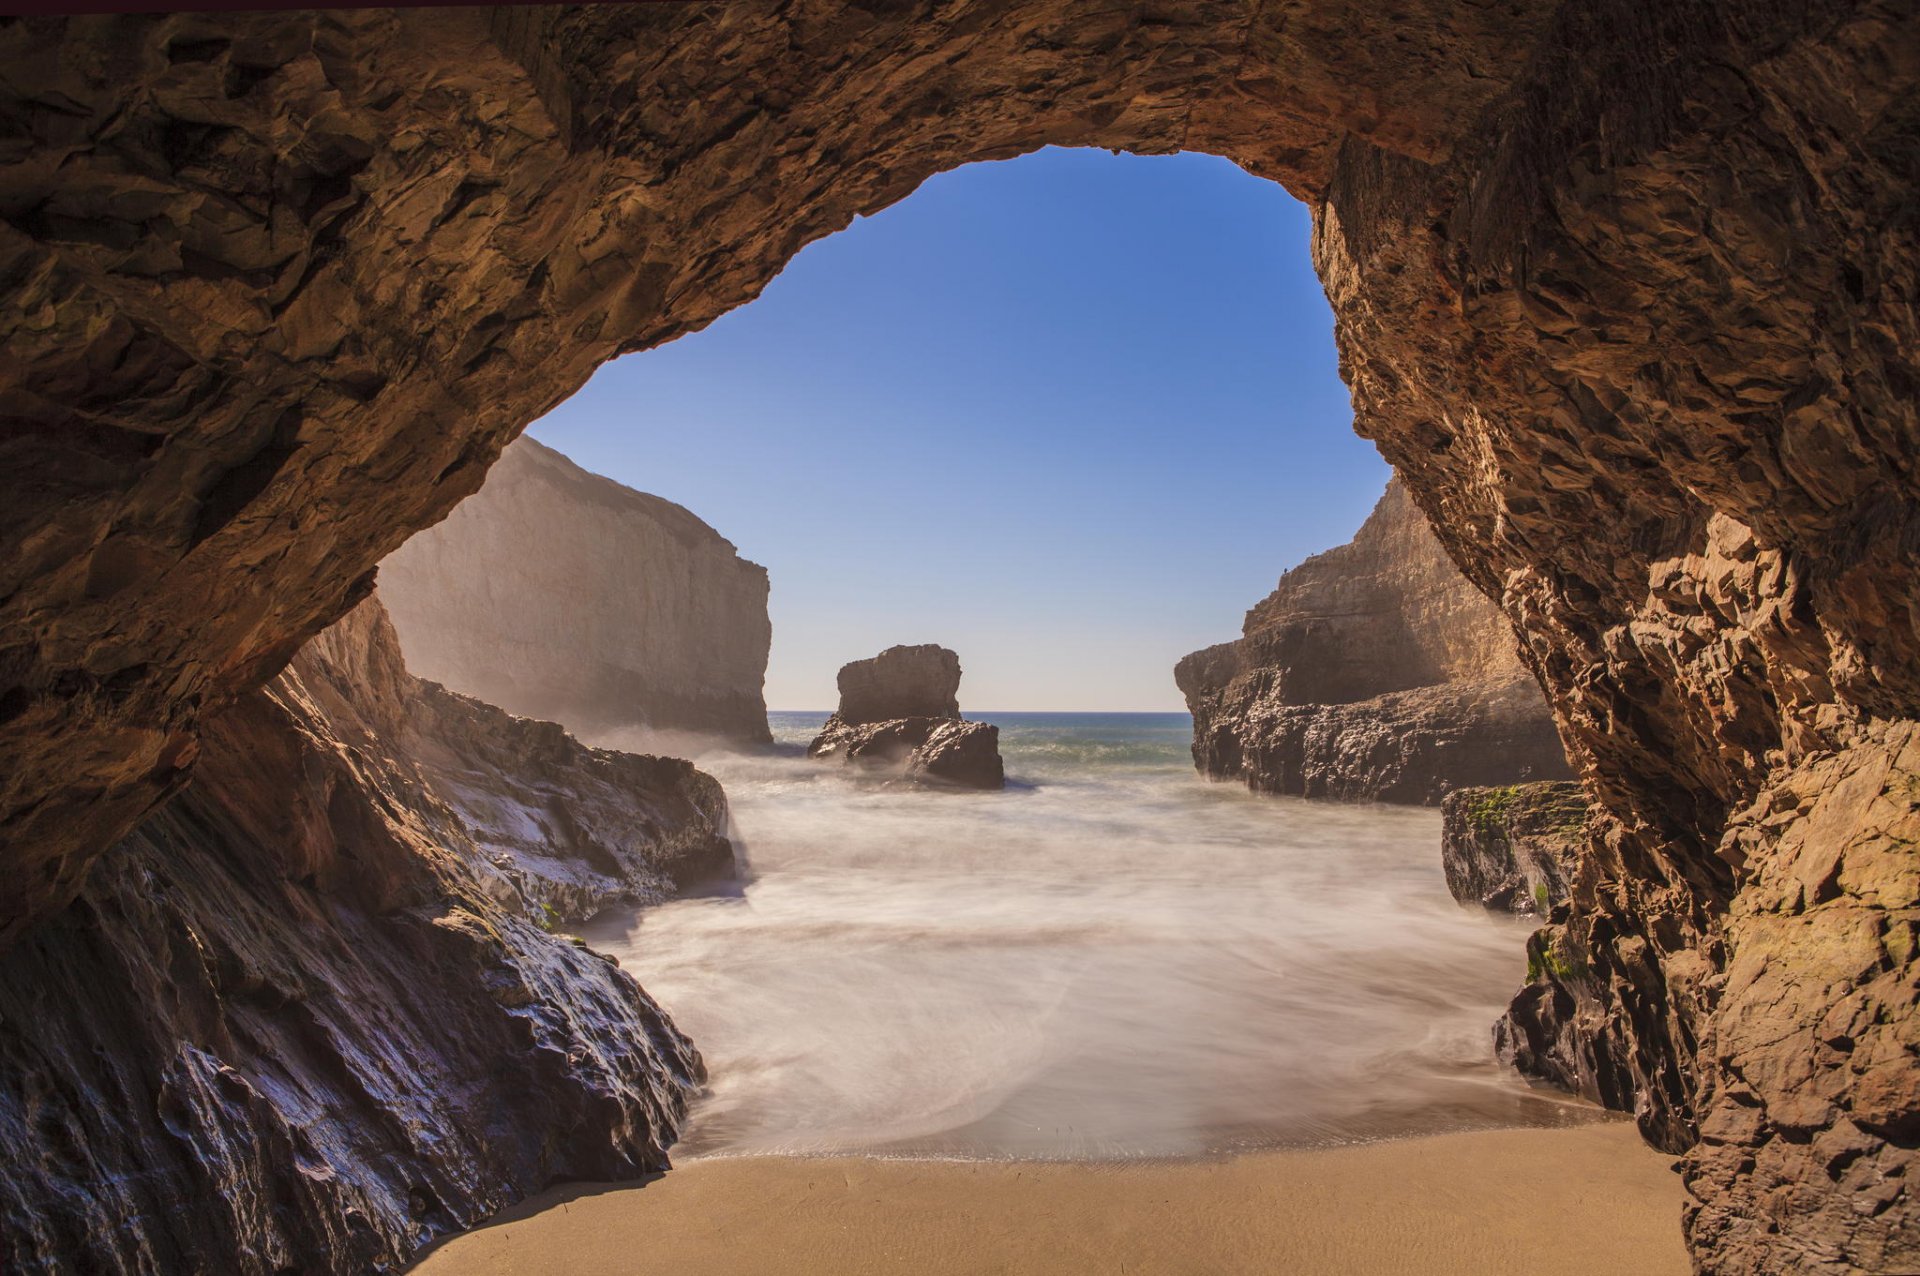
[1622,289]
[561,595]
[1373,672]
[309,1016]
[899,714]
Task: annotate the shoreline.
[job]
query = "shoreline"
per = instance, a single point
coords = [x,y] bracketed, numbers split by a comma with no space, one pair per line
[1583,1199]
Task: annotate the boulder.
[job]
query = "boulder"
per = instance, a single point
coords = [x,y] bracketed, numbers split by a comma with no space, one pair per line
[1513,848]
[899,715]
[963,753]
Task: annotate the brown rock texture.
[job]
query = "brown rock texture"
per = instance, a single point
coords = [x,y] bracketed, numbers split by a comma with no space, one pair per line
[899,715]
[562,595]
[1514,847]
[1373,672]
[1623,291]
[308,1016]
[900,682]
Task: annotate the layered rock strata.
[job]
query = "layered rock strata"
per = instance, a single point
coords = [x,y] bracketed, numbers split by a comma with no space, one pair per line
[310,1015]
[1514,848]
[561,595]
[1622,291]
[899,714]
[1373,672]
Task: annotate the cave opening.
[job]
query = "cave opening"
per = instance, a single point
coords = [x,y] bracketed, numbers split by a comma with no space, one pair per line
[1066,414]
[1624,294]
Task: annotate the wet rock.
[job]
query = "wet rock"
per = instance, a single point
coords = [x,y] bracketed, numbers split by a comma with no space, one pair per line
[962,753]
[1513,848]
[899,715]
[310,1015]
[1373,672]
[564,596]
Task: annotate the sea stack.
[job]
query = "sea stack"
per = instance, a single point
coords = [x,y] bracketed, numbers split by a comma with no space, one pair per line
[1374,672]
[900,713]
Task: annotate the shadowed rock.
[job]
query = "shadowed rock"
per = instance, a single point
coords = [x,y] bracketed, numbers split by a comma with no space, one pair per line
[1513,848]
[900,682]
[310,1014]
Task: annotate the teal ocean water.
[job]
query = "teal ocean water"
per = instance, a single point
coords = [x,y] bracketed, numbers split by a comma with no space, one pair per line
[1112,959]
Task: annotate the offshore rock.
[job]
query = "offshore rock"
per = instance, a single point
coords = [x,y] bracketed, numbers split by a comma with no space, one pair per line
[561,595]
[309,1016]
[1513,848]
[961,753]
[899,715]
[1373,672]
[900,682]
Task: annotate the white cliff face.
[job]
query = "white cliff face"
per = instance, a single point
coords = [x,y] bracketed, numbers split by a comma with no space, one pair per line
[562,595]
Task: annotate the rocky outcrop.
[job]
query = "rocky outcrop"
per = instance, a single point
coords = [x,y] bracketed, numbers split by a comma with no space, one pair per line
[900,682]
[1513,848]
[1373,672]
[1622,291]
[309,1015]
[561,595]
[899,714]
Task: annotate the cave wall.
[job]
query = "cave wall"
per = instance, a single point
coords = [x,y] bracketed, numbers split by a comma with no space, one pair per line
[565,596]
[310,1015]
[1374,672]
[1623,291]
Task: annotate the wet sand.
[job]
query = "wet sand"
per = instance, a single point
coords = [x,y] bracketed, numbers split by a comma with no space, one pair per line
[1591,1199]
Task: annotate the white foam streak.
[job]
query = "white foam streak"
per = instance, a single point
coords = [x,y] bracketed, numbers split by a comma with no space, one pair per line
[1119,961]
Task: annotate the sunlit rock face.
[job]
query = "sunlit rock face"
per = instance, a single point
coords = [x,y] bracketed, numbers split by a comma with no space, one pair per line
[310,1014]
[1623,291]
[899,715]
[561,595]
[1373,672]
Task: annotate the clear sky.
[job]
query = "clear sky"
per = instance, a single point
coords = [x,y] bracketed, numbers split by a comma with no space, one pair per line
[1069,414]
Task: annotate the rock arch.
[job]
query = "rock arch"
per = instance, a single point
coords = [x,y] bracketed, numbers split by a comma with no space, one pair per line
[1624,290]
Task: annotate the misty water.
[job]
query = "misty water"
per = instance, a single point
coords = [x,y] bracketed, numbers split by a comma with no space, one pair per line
[1112,959]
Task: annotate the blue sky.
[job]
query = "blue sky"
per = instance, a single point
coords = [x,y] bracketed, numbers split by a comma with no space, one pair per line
[1069,414]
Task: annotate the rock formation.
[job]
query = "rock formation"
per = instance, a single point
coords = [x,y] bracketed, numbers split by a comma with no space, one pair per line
[561,595]
[1373,672]
[308,1016]
[1513,848]
[899,714]
[1623,291]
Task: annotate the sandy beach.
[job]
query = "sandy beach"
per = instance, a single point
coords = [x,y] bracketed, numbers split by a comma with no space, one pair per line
[1591,1199]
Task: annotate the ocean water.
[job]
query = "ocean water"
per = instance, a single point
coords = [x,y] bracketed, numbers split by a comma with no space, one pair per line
[1112,959]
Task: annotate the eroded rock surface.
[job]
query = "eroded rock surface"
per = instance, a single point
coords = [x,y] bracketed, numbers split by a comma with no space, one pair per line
[1373,672]
[1513,847]
[901,682]
[899,714]
[564,596]
[309,1015]
[1623,291]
